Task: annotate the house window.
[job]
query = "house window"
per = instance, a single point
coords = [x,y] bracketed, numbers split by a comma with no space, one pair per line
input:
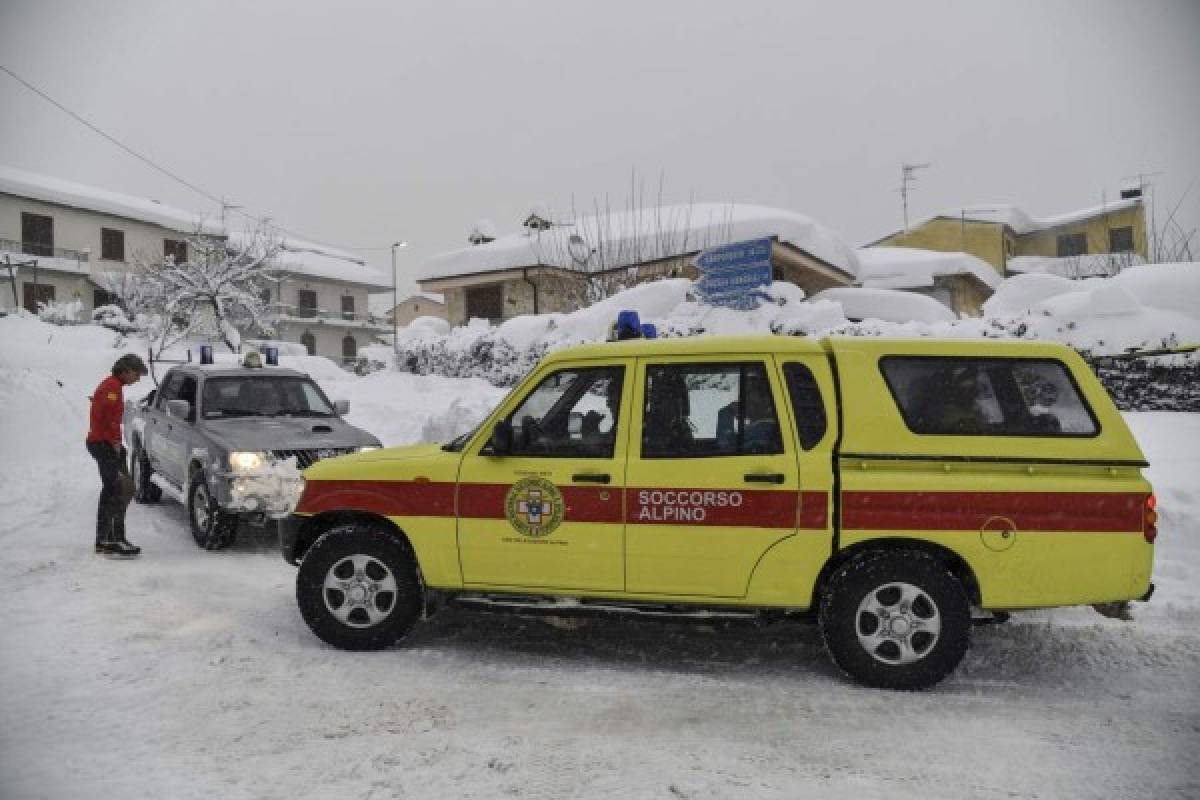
[175,249]
[35,293]
[306,303]
[264,294]
[347,307]
[486,302]
[1072,244]
[112,244]
[349,349]
[310,342]
[37,234]
[102,297]
[1120,240]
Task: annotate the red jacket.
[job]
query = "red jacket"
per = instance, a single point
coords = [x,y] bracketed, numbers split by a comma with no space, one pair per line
[108,407]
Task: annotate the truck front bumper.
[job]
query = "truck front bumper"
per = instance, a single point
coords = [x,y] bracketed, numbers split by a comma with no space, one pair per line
[289,536]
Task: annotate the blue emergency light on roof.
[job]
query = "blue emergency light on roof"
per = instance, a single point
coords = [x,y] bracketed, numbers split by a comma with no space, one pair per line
[272,356]
[627,326]
[649,330]
[206,355]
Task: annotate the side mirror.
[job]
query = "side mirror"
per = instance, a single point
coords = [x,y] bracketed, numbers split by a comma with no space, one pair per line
[341,407]
[180,409]
[502,438]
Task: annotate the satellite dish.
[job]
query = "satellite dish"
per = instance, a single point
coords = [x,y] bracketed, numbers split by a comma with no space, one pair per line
[579,250]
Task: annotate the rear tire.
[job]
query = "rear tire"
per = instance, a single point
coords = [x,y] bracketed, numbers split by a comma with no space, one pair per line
[144,490]
[895,619]
[358,588]
[212,528]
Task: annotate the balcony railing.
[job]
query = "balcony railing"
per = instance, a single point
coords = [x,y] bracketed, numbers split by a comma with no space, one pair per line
[43,250]
[287,311]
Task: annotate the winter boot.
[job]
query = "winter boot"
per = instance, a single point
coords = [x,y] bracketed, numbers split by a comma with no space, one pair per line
[119,544]
[122,548]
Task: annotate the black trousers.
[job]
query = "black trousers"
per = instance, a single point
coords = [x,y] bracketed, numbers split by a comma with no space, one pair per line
[116,490]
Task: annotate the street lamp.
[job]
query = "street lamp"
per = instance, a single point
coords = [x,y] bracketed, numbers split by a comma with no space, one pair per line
[395,300]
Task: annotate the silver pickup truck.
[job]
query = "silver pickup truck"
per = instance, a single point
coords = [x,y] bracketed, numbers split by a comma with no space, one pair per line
[229,441]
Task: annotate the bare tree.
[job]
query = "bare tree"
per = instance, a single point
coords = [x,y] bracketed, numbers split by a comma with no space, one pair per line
[610,249]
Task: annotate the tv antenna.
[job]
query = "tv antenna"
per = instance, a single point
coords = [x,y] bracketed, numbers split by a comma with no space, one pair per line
[907,176]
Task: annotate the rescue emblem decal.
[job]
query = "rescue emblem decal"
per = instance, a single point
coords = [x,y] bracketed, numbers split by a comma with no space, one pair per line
[534,506]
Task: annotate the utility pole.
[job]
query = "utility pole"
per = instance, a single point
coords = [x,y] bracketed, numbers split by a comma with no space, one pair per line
[907,176]
[395,319]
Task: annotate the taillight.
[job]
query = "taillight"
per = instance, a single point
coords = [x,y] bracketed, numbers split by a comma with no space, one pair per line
[1150,519]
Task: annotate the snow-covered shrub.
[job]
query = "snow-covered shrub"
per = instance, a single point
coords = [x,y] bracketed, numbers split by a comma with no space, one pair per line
[114,318]
[60,313]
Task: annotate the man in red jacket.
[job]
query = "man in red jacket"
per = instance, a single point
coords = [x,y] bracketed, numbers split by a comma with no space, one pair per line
[104,444]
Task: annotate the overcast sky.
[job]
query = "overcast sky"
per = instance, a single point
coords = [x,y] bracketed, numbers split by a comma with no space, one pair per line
[361,123]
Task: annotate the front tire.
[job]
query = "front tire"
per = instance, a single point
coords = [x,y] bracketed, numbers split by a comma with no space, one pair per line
[212,528]
[358,588]
[144,490]
[896,619]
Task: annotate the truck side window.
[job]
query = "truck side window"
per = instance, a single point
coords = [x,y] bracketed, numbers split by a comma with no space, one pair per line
[170,390]
[699,410]
[807,406]
[960,396]
[572,413]
[187,391]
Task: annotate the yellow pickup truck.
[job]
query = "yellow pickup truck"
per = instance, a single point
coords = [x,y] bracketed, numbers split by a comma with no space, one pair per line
[893,490]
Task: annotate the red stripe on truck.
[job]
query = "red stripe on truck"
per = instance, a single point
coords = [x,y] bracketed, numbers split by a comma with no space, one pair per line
[647,506]
[968,511]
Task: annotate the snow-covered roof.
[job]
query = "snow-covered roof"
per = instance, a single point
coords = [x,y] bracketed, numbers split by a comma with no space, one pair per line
[296,255]
[77,195]
[889,305]
[1022,222]
[910,268]
[623,238]
[381,302]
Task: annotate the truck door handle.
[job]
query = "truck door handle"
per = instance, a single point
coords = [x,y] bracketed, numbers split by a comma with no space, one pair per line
[763,477]
[591,477]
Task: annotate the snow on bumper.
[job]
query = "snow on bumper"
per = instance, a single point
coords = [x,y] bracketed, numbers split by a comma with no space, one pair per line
[273,489]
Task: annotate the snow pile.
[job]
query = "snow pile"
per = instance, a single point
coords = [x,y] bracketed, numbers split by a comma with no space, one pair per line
[888,305]
[911,268]
[609,240]
[1146,306]
[503,354]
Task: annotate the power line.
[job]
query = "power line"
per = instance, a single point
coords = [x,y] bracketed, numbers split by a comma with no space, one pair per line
[265,221]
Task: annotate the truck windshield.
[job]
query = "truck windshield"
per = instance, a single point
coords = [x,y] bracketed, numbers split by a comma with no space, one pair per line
[263,396]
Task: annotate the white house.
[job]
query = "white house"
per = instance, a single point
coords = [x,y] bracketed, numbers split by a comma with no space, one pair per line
[57,237]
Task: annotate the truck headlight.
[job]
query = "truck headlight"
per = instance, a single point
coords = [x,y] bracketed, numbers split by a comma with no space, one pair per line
[366,448]
[244,462]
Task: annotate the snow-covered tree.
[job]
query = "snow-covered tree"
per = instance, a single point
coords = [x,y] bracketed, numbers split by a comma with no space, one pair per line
[218,292]
[221,284]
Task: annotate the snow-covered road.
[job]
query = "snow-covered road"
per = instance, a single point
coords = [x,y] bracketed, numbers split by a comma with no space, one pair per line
[188,674]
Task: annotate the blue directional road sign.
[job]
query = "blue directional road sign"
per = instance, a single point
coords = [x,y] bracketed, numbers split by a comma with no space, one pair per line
[731,275]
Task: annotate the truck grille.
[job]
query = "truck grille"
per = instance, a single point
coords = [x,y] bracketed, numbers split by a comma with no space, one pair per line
[306,458]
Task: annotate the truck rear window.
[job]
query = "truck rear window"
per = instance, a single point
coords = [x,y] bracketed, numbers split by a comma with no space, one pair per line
[960,396]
